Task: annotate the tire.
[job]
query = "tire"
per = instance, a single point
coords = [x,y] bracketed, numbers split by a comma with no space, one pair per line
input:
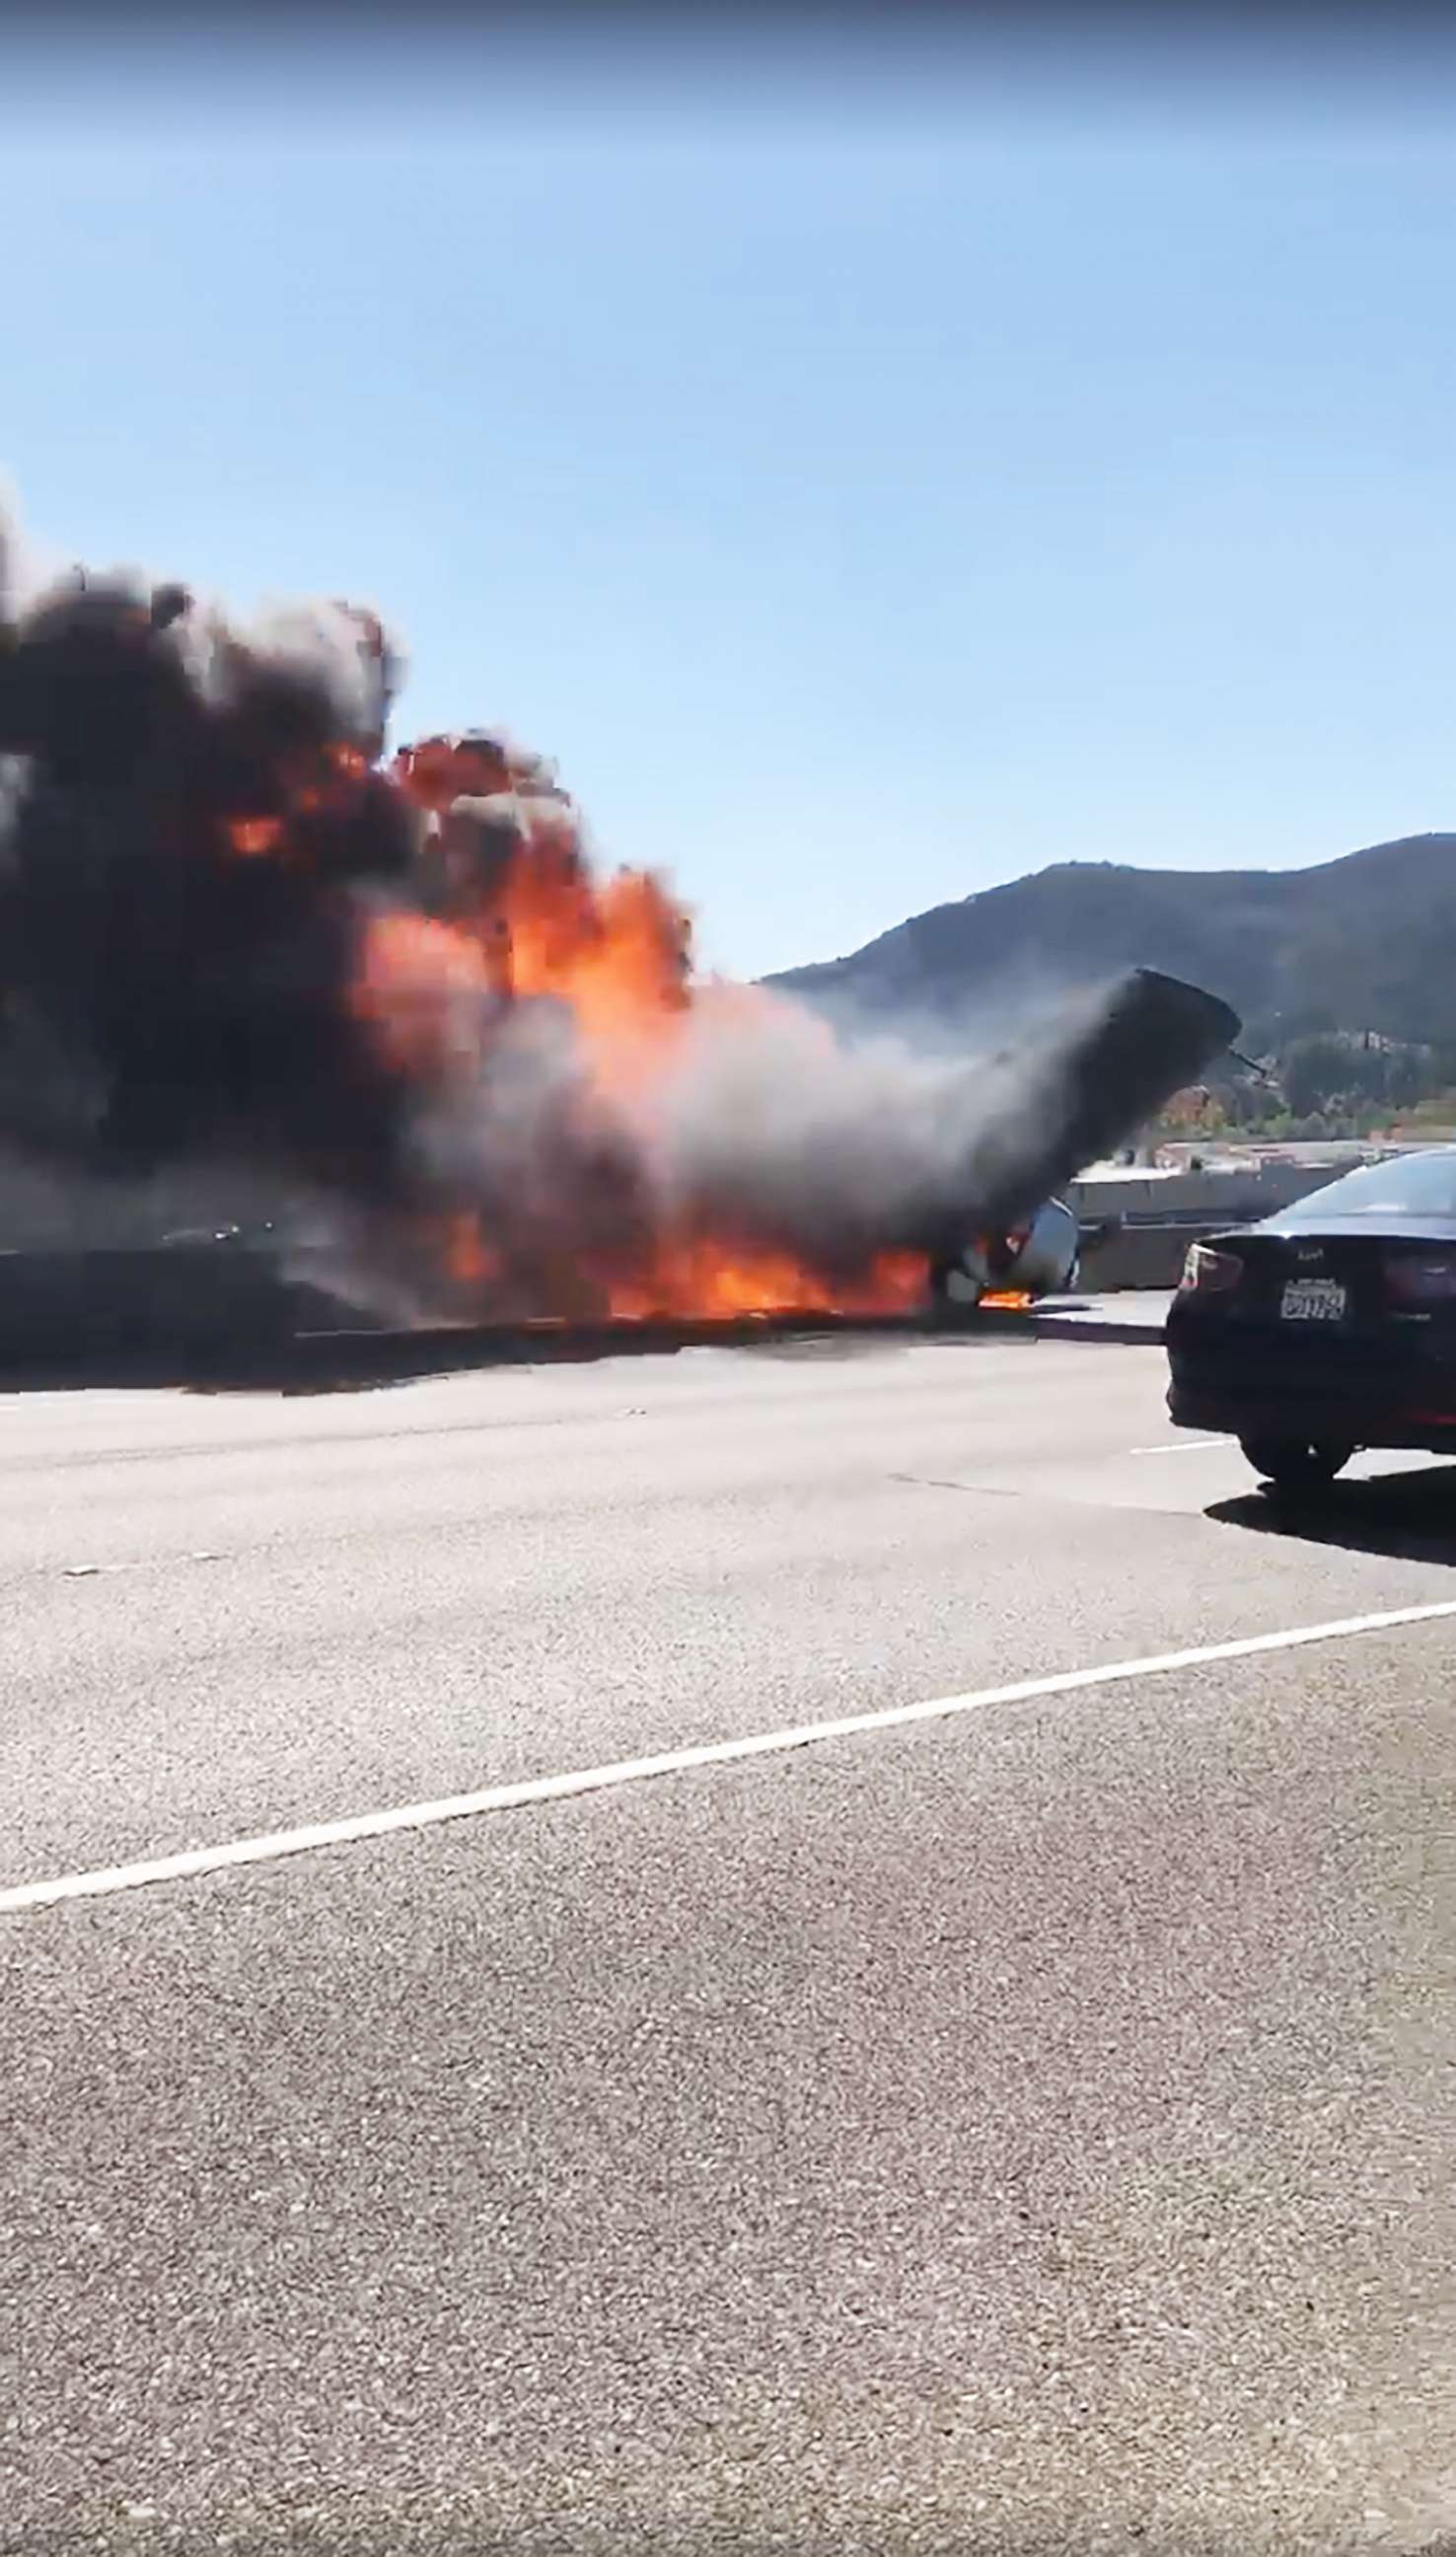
[955,1287]
[1296,1464]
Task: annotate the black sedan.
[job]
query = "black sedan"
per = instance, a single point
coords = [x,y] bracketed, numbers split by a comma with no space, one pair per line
[1329,1326]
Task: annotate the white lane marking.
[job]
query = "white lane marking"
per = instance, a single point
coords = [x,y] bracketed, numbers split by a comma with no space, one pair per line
[143,1562]
[1182,1448]
[276,1843]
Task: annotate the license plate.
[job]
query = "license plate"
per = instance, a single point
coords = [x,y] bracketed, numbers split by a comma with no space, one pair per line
[1313,1300]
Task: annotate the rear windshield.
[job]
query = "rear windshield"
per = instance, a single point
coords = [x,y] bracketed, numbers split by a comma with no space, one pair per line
[1410,1185]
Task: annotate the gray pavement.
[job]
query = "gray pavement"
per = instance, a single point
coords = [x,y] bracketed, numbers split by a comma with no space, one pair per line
[1123,1313]
[1016,2131]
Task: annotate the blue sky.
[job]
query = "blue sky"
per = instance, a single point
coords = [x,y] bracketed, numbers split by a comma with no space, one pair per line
[867,488]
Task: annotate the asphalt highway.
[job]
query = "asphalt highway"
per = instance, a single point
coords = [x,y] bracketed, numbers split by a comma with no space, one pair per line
[1018,2127]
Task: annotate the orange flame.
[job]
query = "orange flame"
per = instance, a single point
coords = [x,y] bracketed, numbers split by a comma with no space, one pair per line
[707,1279]
[254,836]
[419,984]
[617,952]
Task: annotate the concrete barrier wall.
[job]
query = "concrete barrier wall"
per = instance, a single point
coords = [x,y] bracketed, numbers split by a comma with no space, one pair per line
[1155,1217]
[1140,1256]
[1239,1196]
[54,1305]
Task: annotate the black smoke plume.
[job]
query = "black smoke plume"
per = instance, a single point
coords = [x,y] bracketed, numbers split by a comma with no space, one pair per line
[163,994]
[194,833]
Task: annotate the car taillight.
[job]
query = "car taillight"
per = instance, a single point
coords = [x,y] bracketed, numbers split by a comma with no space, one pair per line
[1420,1278]
[1206,1271]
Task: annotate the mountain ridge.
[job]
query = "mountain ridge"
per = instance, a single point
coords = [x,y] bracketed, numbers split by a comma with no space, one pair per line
[1366,941]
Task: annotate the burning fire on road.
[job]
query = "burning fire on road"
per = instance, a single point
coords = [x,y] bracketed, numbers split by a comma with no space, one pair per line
[235,930]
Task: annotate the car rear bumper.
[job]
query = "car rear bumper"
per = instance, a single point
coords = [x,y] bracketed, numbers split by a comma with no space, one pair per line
[1356,1419]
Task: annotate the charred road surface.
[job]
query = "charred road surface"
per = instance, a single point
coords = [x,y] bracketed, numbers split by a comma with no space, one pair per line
[1014,2128]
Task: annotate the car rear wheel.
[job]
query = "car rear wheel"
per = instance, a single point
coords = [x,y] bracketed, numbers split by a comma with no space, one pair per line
[1296,1464]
